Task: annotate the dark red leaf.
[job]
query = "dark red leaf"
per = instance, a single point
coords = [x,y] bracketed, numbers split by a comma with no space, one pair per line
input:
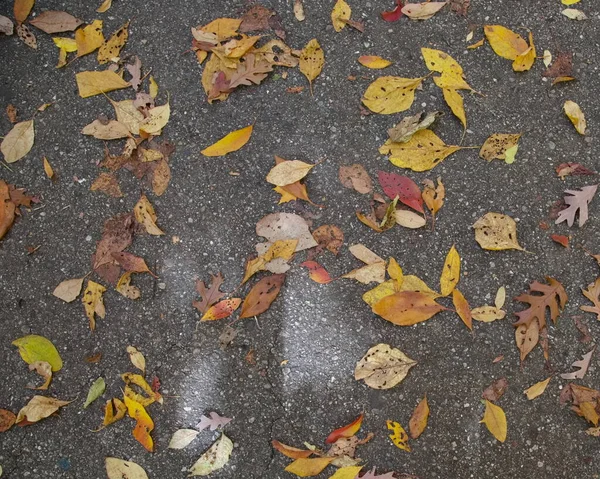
[402,186]
[395,14]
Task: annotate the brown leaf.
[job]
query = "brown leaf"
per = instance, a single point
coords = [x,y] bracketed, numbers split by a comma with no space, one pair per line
[561,240]
[593,294]
[7,419]
[262,295]
[418,420]
[116,236]
[256,19]
[210,295]
[11,112]
[329,237]
[7,209]
[585,336]
[495,390]
[55,22]
[577,201]
[565,169]
[356,177]
[107,183]
[27,36]
[562,66]
[460,6]
[131,263]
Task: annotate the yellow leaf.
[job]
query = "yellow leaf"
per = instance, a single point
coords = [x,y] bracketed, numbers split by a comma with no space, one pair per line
[487,314]
[33,348]
[137,358]
[48,168]
[569,2]
[154,87]
[93,302]
[285,195]
[398,436]
[94,83]
[409,219]
[379,292]
[67,44]
[139,381]
[348,472]
[288,172]
[495,420]
[44,369]
[389,94]
[22,9]
[525,60]
[231,142]
[505,42]
[369,273]
[128,115]
[462,308]
[106,4]
[156,120]
[373,62]
[89,38]
[279,249]
[414,283]
[476,44]
[109,412]
[145,215]
[406,308]
[395,272]
[494,148]
[39,407]
[500,297]
[312,60]
[433,196]
[441,62]
[125,287]
[537,389]
[587,409]
[451,81]
[418,420]
[306,467]
[18,141]
[422,152]
[340,15]
[144,424]
[495,231]
[450,272]
[213,67]
[383,367]
[238,48]
[222,28]
[111,48]
[455,102]
[576,116]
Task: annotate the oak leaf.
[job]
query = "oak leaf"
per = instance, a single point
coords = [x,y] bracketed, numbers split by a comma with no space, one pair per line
[577,201]
[213,421]
[593,294]
[209,295]
[583,365]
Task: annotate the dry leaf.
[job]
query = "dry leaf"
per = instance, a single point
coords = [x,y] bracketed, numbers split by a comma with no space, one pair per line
[110,50]
[576,116]
[487,314]
[128,115]
[409,125]
[107,183]
[289,451]
[383,367]
[577,201]
[149,396]
[422,11]
[6,27]
[48,168]
[340,15]
[181,438]
[118,468]
[495,420]
[284,226]
[137,358]
[213,422]
[261,295]
[7,419]
[156,120]
[583,365]
[107,131]
[104,6]
[44,369]
[110,416]
[312,60]
[299,10]
[495,231]
[210,295]
[399,437]
[125,287]
[89,38]
[330,237]
[144,424]
[403,188]
[55,22]
[450,272]
[495,390]
[346,431]
[95,83]
[373,62]
[307,467]
[495,146]
[38,408]
[214,458]
[574,14]
[145,215]
[69,289]
[537,389]
[93,302]
[593,294]
[455,102]
[406,308]
[288,172]
[409,219]
[22,9]
[223,309]
[356,177]
[280,249]
[524,61]
[230,142]
[433,195]
[18,141]
[316,272]
[462,308]
[389,94]
[418,420]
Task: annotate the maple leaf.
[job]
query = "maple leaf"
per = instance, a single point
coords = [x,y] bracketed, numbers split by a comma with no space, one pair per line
[593,294]
[532,321]
[212,422]
[210,295]
[578,201]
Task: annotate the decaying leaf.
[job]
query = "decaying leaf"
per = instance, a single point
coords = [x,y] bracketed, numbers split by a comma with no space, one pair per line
[495,147]
[222,309]
[422,11]
[462,308]
[38,408]
[18,141]
[181,438]
[577,201]
[317,272]
[374,269]
[97,82]
[495,390]
[495,231]
[418,420]
[145,215]
[214,458]
[96,390]
[213,421]
[7,419]
[44,369]
[108,184]
[565,169]
[69,289]
[144,424]
[409,125]
[110,50]
[433,196]
[107,131]
[450,272]
[422,152]
[329,237]
[574,113]
[383,367]
[22,9]
[118,468]
[495,420]
[114,411]
[210,295]
[34,348]
[312,60]
[537,389]
[284,226]
[149,396]
[137,358]
[6,27]
[487,314]
[583,365]
[356,177]
[230,142]
[389,94]
[48,168]
[93,302]
[262,295]
[156,120]
[398,436]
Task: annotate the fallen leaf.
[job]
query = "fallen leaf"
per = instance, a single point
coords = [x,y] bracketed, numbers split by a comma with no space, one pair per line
[403,187]
[409,125]
[149,396]
[340,15]
[144,424]
[562,66]
[495,390]
[346,472]
[89,38]
[214,458]
[593,294]
[330,237]
[418,420]
[107,131]
[261,295]
[114,411]
[229,143]
[97,82]
[137,358]
[317,272]
[104,6]
[11,111]
[576,116]
[494,148]
[561,240]
[588,411]
[44,369]
[156,120]
[487,314]
[389,94]
[409,219]
[55,22]
[495,420]
[118,468]
[22,9]
[577,201]
[128,115]
[38,408]
[460,6]
[110,49]
[569,2]
[422,11]
[181,438]
[213,422]
[131,263]
[495,231]
[433,196]
[565,169]
[69,289]
[284,226]
[288,172]
[373,62]
[306,467]
[398,436]
[574,14]
[7,419]
[583,365]
[18,141]
[48,168]
[450,272]
[383,367]
[299,10]
[346,431]
[406,308]
[312,60]
[93,302]
[422,152]
[395,14]
[145,215]
[6,27]
[478,44]
[537,389]
[455,102]
[356,177]
[34,348]
[291,452]
[27,36]
[525,60]
[500,297]
[210,295]
[462,308]
[108,184]
[96,390]
[505,42]
[222,309]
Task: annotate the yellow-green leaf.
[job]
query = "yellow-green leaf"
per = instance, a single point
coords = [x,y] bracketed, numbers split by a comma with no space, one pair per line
[576,116]
[230,142]
[312,60]
[388,95]
[450,272]
[18,141]
[33,348]
[96,390]
[94,83]
[495,420]
[340,15]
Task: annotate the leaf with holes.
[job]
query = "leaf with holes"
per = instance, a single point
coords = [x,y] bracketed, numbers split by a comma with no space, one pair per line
[312,60]
[222,309]
[261,295]
[398,436]
[495,231]
[383,367]
[495,147]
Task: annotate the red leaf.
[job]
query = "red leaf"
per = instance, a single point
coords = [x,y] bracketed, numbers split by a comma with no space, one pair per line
[395,14]
[316,272]
[402,186]
[348,430]
[560,239]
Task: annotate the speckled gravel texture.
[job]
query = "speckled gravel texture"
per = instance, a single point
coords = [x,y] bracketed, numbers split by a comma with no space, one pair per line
[320,330]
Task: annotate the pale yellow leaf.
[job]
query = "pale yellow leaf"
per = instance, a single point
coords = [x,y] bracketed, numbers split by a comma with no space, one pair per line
[496,145]
[18,141]
[39,407]
[69,289]
[288,172]
[576,116]
[214,458]
[156,120]
[487,314]
[500,297]
[347,472]
[574,14]
[525,60]
[373,62]
[383,367]
[379,292]
[495,231]
[537,389]
[120,469]
[422,11]
[110,50]
[128,115]
[145,215]
[409,219]
[230,142]
[107,131]
[125,287]
[369,273]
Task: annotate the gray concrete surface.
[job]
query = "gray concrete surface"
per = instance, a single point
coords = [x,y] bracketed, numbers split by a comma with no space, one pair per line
[321,330]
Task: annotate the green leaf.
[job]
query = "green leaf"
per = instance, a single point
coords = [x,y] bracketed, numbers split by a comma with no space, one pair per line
[96,390]
[33,348]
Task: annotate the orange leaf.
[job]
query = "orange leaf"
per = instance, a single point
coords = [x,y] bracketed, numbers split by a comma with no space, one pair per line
[144,424]
[347,431]
[222,309]
[462,308]
[109,412]
[418,420]
[290,451]
[406,308]
[262,295]
[316,272]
